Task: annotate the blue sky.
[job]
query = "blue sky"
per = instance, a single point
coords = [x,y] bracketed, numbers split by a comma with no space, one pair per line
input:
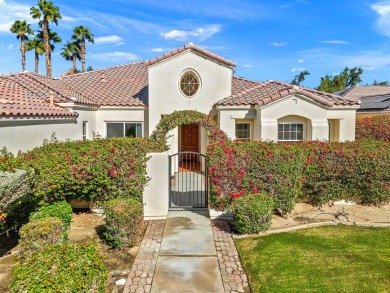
[269,40]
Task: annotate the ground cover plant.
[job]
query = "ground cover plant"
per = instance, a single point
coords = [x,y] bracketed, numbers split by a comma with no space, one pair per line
[322,259]
[61,268]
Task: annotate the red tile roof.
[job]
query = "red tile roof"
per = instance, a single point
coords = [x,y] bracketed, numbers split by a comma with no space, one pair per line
[357,92]
[124,85]
[195,48]
[246,92]
[19,100]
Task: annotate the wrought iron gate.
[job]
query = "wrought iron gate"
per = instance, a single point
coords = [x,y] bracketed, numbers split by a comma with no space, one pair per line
[188,181]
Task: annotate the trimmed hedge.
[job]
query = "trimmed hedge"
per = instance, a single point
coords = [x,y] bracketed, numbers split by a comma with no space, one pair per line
[90,170]
[253,213]
[124,222]
[61,268]
[59,209]
[313,171]
[376,127]
[40,233]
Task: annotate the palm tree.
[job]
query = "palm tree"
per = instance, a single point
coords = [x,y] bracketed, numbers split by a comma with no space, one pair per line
[36,44]
[46,12]
[71,52]
[82,34]
[53,38]
[22,30]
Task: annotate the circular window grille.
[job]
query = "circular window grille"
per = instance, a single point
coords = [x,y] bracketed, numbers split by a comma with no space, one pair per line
[189,83]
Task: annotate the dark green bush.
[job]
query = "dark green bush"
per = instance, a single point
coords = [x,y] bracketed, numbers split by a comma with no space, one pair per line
[61,268]
[253,213]
[59,209]
[40,233]
[124,222]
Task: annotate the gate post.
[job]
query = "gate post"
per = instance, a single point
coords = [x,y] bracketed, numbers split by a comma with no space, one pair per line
[156,193]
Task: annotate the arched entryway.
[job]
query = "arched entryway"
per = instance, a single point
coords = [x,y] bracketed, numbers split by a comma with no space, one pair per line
[188,178]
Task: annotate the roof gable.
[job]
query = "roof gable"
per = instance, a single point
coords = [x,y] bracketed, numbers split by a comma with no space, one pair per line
[246,92]
[194,48]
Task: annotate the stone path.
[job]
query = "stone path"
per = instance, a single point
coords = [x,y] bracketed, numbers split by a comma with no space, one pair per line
[187,253]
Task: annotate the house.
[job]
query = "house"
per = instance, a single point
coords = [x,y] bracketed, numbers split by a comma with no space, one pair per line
[130,99]
[375,99]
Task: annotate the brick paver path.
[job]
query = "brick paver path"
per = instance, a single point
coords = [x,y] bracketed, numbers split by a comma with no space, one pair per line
[234,277]
[141,274]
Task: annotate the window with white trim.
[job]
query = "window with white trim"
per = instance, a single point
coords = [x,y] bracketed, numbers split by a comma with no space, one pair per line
[121,129]
[290,132]
[243,131]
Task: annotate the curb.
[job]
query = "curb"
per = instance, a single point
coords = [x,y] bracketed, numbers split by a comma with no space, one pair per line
[318,224]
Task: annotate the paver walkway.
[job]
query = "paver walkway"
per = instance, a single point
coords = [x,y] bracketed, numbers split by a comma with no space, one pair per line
[187,254]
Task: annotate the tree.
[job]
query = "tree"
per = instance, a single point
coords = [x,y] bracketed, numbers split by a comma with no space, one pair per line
[380,83]
[46,12]
[300,77]
[82,34]
[22,30]
[72,52]
[53,38]
[347,78]
[36,44]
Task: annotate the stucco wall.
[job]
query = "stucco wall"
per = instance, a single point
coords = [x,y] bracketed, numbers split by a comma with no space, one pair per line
[156,193]
[229,115]
[164,93]
[294,106]
[116,114]
[347,121]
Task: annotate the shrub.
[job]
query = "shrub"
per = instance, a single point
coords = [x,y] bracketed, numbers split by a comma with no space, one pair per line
[16,201]
[312,171]
[59,209]
[61,268]
[90,170]
[124,222]
[376,127]
[40,233]
[253,213]
[8,163]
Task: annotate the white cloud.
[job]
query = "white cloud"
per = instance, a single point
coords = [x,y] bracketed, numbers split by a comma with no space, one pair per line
[248,65]
[279,44]
[298,69]
[11,12]
[383,22]
[201,33]
[10,46]
[158,50]
[335,42]
[301,60]
[115,56]
[109,40]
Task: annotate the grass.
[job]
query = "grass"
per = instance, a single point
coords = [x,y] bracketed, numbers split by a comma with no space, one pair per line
[322,259]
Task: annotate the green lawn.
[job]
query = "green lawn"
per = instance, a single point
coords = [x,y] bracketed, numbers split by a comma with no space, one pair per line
[322,259]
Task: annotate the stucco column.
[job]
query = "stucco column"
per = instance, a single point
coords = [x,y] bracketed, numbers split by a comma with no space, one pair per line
[320,129]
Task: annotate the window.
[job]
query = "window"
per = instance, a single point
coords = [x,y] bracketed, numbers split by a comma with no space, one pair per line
[290,132]
[85,130]
[120,129]
[189,83]
[243,131]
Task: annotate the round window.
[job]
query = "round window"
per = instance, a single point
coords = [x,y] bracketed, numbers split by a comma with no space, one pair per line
[189,83]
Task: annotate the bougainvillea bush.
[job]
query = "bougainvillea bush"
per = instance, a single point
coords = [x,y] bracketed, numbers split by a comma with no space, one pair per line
[313,171]
[376,127]
[90,170]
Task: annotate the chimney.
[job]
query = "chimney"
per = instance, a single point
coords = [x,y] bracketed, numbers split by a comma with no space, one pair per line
[51,99]
[103,78]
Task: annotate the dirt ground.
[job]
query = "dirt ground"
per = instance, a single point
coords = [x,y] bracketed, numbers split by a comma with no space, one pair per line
[305,213]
